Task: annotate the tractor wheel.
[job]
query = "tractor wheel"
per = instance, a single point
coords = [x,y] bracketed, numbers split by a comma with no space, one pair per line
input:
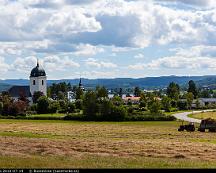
[212,130]
[202,130]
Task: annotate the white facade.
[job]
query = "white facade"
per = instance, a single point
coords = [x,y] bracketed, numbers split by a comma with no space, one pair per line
[38,84]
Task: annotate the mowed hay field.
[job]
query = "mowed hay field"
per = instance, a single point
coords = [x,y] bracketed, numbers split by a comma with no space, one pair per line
[70,144]
[204,115]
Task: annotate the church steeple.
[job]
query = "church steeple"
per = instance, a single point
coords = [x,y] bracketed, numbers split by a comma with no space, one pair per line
[37,62]
[80,83]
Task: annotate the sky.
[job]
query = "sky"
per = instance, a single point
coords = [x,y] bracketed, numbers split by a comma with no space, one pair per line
[107,38]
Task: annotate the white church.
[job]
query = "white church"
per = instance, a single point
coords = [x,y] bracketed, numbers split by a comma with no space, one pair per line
[38,82]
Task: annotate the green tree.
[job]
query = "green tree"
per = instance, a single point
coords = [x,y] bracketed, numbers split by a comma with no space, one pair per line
[79,104]
[214,94]
[205,94]
[61,87]
[53,107]
[154,106]
[43,105]
[197,104]
[166,103]
[137,92]
[1,107]
[36,96]
[173,91]
[101,92]
[61,95]
[192,88]
[118,113]
[63,106]
[71,107]
[116,100]
[90,107]
[79,93]
[143,100]
[105,108]
[189,98]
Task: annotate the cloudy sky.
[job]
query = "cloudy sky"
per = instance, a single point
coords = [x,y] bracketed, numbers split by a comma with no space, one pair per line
[107,38]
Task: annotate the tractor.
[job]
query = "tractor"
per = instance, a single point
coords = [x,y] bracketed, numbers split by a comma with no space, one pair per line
[189,127]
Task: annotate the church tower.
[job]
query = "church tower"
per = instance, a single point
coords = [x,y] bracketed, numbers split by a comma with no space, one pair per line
[38,80]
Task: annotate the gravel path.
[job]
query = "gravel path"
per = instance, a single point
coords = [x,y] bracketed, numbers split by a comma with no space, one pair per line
[184,116]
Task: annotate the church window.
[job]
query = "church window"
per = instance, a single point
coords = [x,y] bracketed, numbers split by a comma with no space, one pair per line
[42,82]
[33,82]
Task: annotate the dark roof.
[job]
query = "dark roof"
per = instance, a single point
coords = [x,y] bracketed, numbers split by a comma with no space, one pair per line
[37,71]
[16,91]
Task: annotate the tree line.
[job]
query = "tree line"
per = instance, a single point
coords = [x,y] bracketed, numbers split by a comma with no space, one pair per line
[96,104]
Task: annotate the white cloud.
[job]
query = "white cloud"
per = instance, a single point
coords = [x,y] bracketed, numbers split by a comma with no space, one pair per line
[71,21]
[4,67]
[91,62]
[114,23]
[202,3]
[50,63]
[93,74]
[184,63]
[24,64]
[139,56]
[138,66]
[195,58]
[87,50]
[56,63]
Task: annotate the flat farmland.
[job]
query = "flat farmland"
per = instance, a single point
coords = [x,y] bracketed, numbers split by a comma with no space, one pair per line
[73,144]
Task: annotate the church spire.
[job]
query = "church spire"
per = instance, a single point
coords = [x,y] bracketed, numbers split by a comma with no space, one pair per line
[37,62]
[80,83]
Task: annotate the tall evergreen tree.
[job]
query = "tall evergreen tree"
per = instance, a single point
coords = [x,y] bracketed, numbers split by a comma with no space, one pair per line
[173,91]
[137,92]
[192,88]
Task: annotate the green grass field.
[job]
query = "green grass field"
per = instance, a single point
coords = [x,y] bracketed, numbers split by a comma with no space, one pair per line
[48,115]
[204,115]
[74,144]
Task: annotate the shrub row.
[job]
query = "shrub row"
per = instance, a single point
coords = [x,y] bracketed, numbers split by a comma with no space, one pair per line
[80,117]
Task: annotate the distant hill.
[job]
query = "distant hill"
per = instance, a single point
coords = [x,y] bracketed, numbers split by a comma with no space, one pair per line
[4,87]
[145,83]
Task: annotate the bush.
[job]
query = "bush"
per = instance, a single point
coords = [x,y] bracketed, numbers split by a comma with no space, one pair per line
[79,104]
[63,106]
[75,117]
[118,113]
[130,110]
[143,109]
[150,118]
[31,112]
[33,107]
[43,105]
[182,105]
[71,107]
[142,104]
[53,107]
[154,106]
[1,107]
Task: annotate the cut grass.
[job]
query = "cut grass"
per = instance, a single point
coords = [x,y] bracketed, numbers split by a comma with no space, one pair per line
[89,161]
[76,144]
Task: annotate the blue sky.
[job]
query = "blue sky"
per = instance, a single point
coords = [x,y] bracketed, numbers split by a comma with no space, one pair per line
[107,38]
